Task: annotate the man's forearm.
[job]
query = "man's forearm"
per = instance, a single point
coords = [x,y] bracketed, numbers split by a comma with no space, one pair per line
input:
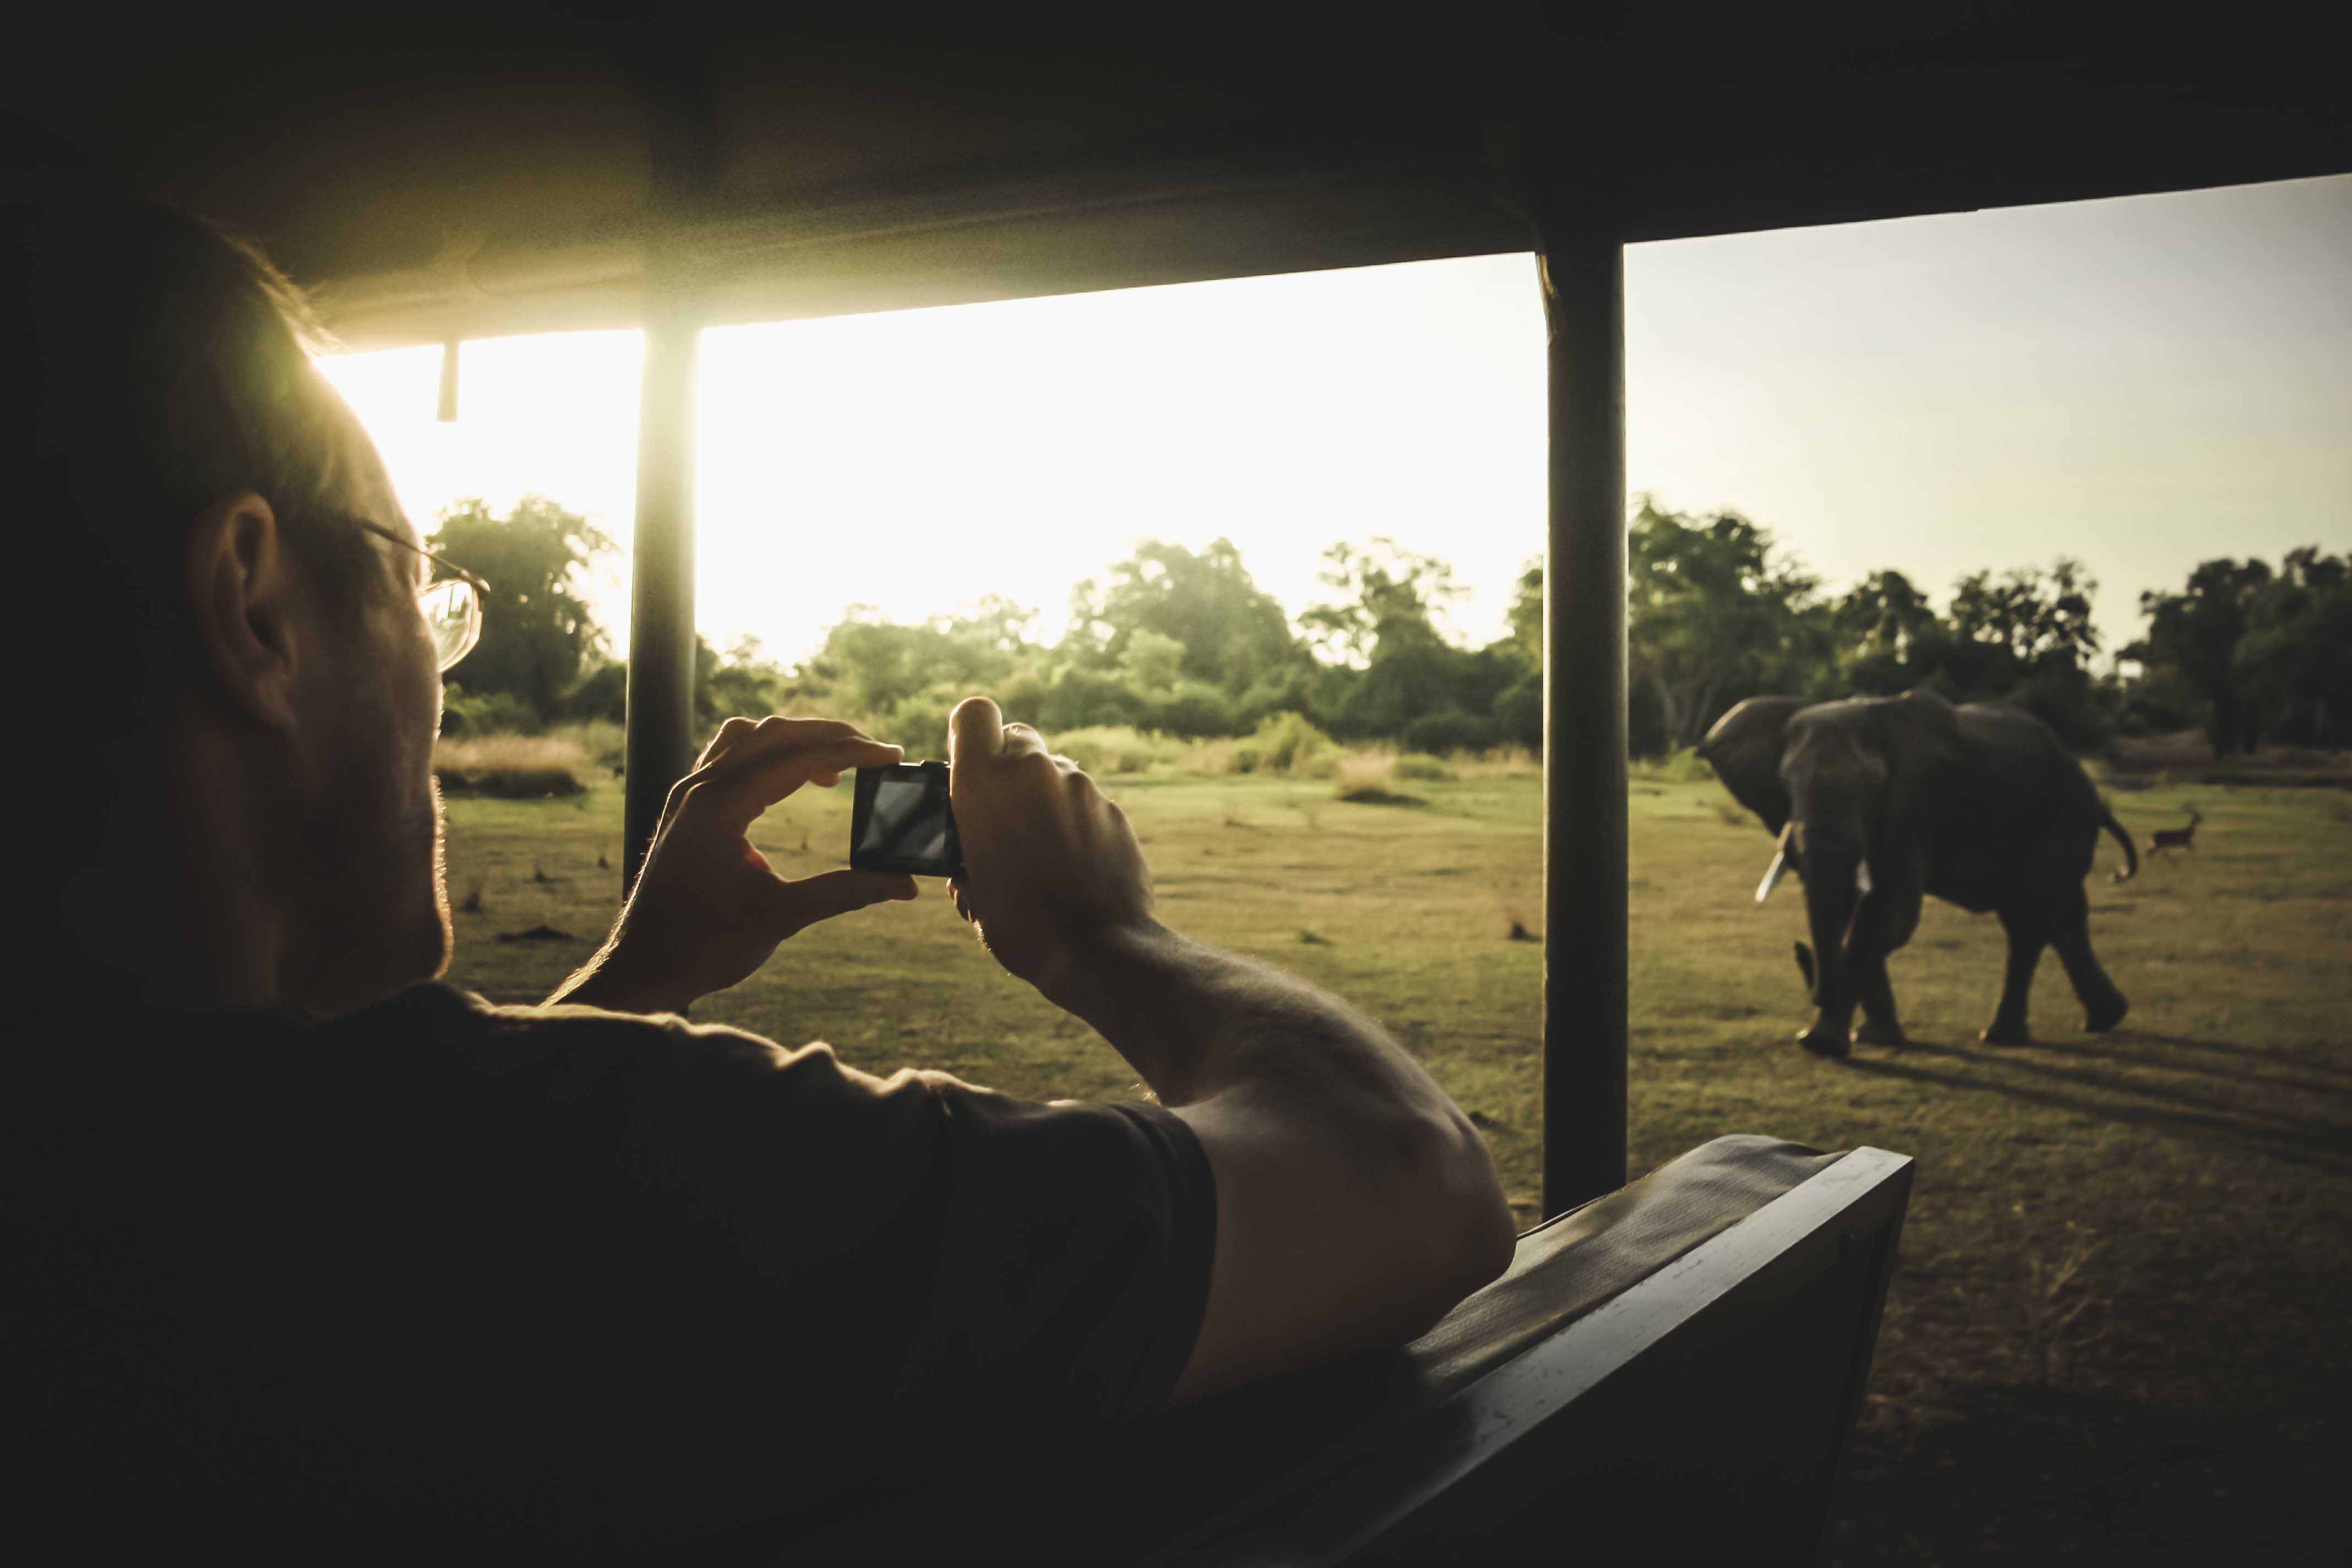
[1336,1137]
[1193,1020]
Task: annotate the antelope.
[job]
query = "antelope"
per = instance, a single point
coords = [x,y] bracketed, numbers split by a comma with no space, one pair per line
[2165,838]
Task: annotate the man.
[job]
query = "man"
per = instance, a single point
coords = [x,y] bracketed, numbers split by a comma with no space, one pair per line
[309,1255]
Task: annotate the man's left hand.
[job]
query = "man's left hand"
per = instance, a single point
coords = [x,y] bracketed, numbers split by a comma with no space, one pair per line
[707,910]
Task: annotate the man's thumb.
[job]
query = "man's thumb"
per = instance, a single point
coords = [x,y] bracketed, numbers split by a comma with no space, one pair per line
[976,728]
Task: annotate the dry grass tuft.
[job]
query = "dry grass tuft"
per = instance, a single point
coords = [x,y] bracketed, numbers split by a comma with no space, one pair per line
[512,767]
[2053,1298]
[1502,762]
[1364,779]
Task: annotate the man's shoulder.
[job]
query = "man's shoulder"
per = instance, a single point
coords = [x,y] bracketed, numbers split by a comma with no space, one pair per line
[435,1019]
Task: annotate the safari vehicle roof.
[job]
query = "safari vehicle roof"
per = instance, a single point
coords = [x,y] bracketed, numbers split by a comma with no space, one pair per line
[508,168]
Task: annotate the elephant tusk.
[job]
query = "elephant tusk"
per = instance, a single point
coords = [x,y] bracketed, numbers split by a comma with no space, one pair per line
[1862,876]
[1780,865]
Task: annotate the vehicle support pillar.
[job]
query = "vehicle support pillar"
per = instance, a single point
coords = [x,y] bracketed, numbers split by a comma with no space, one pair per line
[1582,267]
[661,741]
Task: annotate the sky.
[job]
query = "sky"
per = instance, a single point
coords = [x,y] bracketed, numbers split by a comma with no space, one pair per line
[2142,384]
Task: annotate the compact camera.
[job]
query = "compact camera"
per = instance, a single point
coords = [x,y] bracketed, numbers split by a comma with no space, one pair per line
[901,822]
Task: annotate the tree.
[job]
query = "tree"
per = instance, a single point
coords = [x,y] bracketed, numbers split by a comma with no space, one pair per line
[2195,632]
[739,683]
[536,633]
[1150,663]
[1516,711]
[2293,662]
[868,665]
[1384,590]
[1881,626]
[1526,618]
[1883,613]
[2027,638]
[1395,667]
[2043,620]
[1233,632]
[1715,615]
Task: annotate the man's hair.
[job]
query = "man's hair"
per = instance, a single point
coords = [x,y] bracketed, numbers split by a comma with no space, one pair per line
[168,362]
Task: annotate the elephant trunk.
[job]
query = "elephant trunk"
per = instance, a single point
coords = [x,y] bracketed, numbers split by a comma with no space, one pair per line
[1829,911]
[1837,876]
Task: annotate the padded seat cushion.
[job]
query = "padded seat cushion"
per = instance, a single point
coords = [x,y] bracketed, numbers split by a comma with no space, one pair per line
[1575,1261]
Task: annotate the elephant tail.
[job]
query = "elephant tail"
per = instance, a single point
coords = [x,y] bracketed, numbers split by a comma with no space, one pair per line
[2131,855]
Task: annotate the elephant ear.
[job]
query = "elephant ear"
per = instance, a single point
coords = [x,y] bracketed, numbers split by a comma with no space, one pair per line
[1919,733]
[1744,750]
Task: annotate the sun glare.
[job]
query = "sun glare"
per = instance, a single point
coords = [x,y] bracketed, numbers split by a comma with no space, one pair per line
[918,461]
[556,415]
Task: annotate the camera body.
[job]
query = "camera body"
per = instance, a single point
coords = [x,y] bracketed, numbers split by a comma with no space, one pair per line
[901,822]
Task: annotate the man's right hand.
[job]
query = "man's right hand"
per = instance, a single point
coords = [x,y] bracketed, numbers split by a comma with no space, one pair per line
[1051,867]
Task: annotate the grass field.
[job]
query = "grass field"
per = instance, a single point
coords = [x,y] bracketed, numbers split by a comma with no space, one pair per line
[2118,1329]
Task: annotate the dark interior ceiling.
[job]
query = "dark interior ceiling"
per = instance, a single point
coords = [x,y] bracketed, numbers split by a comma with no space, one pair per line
[506,168]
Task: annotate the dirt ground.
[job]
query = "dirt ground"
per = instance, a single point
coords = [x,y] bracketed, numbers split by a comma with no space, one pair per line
[2117,1329]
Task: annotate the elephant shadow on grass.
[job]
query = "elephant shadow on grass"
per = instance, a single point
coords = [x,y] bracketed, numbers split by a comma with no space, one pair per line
[2140,1049]
[2317,1142]
[2111,1082]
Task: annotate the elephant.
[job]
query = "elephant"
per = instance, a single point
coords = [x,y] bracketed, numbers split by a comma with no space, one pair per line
[1877,801]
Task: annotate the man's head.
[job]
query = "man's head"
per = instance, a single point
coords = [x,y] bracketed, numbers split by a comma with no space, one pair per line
[243,674]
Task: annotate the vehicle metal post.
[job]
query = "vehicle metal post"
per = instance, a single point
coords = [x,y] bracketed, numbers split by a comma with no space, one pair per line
[660,743]
[1582,267]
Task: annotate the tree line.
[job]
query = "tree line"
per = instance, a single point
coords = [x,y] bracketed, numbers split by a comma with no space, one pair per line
[1184,641]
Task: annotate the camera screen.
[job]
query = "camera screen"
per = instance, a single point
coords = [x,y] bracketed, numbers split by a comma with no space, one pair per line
[910,822]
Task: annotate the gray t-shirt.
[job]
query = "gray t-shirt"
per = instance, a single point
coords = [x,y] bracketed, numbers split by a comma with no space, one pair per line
[447,1279]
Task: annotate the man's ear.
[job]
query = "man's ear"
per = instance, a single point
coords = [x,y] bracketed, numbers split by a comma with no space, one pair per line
[245,598]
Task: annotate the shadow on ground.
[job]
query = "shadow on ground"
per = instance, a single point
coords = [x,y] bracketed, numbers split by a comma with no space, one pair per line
[2093,1478]
[2241,1122]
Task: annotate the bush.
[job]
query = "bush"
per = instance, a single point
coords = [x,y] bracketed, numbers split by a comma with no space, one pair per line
[490,713]
[1421,766]
[1452,731]
[1682,766]
[602,694]
[1103,750]
[1288,743]
[1194,709]
[1084,699]
[1518,713]
[511,767]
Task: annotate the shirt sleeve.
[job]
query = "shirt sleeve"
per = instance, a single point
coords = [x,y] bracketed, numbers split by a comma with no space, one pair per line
[905,1251]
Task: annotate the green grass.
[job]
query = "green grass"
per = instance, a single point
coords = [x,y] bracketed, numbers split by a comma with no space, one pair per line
[2117,1329]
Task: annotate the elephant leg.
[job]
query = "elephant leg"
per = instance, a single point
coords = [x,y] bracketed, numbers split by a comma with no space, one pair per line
[1880,1027]
[1827,1034]
[2102,1006]
[2026,942]
[1885,923]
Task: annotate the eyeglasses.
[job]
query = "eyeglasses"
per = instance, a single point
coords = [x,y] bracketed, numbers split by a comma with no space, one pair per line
[452,606]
